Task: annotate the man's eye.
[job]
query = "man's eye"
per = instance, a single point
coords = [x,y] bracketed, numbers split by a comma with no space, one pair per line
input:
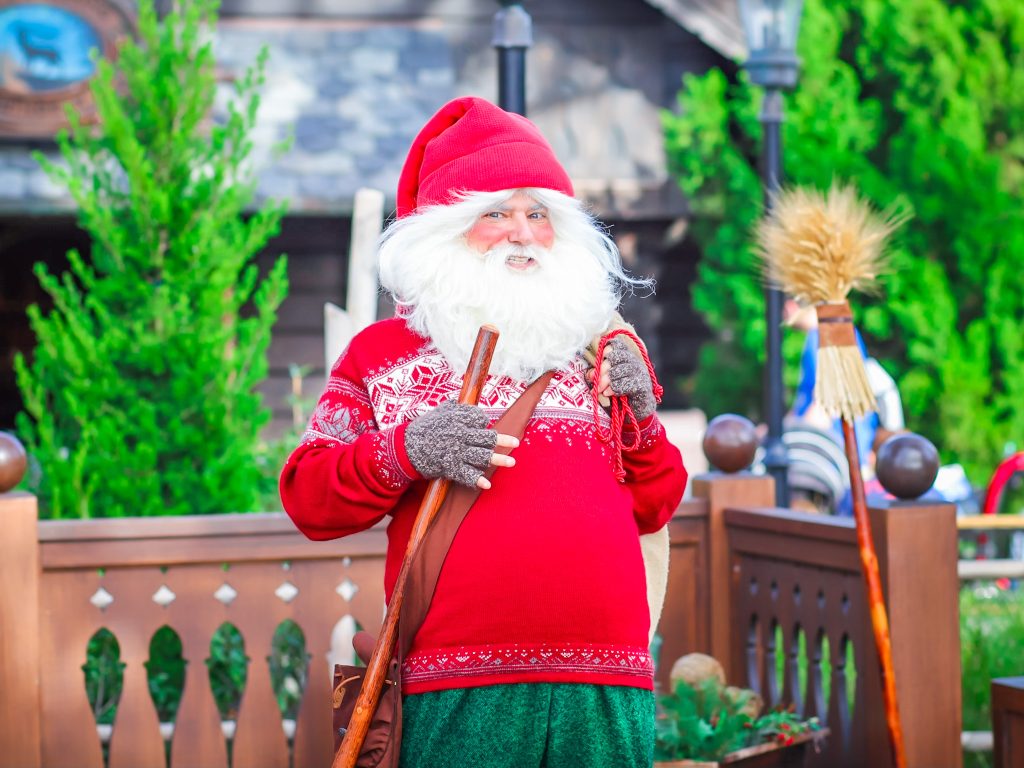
[493,215]
[538,215]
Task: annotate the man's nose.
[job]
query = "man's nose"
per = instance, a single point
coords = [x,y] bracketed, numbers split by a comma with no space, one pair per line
[522,232]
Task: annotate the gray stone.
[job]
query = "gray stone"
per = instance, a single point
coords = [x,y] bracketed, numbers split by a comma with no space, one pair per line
[21,157]
[320,186]
[308,40]
[428,99]
[276,185]
[331,86]
[398,113]
[40,185]
[338,162]
[388,37]
[319,133]
[435,78]
[358,143]
[426,51]
[367,165]
[353,105]
[12,184]
[237,52]
[395,145]
[387,181]
[343,39]
[374,62]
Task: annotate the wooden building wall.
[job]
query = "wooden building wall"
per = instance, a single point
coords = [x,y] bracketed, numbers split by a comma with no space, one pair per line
[317,250]
[591,60]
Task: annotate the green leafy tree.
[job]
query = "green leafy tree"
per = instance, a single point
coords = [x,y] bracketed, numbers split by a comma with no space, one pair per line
[920,103]
[140,396]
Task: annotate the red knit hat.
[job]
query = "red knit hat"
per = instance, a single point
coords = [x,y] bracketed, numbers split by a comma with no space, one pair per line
[471,145]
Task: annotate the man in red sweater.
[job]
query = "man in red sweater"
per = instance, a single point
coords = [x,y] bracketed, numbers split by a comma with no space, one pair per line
[534,651]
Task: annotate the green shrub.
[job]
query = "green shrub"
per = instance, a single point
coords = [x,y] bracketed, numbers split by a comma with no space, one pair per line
[140,397]
[991,646]
[708,721]
[227,669]
[920,103]
[104,675]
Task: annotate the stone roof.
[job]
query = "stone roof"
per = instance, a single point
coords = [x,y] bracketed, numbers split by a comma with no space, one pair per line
[716,22]
[352,95]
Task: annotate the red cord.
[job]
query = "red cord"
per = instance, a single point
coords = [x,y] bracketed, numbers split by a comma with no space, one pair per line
[620,411]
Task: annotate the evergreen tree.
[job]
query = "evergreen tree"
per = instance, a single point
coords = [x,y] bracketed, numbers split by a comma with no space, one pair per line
[140,395]
[920,103]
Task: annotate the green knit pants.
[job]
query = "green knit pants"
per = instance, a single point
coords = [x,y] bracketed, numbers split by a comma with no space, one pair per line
[536,725]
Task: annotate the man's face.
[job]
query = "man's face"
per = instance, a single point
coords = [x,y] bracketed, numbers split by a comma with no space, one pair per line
[519,221]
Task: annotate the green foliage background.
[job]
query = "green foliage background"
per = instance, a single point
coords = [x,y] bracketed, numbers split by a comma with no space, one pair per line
[991,646]
[140,396]
[919,103]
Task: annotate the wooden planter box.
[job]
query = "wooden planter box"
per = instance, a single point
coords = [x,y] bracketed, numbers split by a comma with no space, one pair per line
[768,755]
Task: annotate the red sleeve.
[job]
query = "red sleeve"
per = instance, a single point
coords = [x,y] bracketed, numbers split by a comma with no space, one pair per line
[346,474]
[655,475]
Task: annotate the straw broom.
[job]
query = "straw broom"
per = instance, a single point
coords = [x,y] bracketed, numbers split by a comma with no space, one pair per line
[819,247]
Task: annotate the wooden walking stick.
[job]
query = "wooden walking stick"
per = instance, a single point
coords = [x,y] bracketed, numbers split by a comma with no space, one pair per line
[376,669]
[818,248]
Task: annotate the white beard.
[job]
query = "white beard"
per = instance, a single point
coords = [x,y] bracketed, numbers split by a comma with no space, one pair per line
[546,316]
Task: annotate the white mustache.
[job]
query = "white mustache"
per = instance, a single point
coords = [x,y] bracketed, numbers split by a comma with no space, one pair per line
[501,253]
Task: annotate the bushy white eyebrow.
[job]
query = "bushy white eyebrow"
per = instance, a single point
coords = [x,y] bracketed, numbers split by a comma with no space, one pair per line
[535,207]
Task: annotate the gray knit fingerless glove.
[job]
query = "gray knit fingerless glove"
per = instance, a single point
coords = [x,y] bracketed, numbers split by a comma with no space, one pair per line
[629,377]
[451,441]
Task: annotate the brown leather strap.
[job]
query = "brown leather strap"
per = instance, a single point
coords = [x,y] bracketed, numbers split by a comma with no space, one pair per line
[426,567]
[835,325]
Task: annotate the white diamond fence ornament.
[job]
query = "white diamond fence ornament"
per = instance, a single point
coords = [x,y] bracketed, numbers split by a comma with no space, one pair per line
[163,596]
[101,599]
[225,593]
[347,589]
[287,592]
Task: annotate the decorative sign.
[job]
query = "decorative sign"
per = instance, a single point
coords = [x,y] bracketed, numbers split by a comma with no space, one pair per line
[46,60]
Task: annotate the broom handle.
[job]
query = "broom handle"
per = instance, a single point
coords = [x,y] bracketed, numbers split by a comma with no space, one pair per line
[876,599]
[376,670]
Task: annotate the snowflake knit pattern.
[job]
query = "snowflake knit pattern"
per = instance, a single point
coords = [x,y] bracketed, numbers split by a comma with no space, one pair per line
[544,581]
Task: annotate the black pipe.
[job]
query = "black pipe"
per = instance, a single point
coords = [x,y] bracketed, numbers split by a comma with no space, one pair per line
[776,461]
[512,80]
[513,34]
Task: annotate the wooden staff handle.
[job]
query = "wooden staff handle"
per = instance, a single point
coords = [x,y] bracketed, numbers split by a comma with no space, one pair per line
[376,670]
[876,598]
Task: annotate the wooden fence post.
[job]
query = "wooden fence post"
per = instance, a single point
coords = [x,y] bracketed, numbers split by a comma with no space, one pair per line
[1008,721]
[917,552]
[723,491]
[19,626]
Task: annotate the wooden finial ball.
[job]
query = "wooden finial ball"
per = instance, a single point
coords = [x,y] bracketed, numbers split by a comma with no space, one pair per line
[730,442]
[907,465]
[13,461]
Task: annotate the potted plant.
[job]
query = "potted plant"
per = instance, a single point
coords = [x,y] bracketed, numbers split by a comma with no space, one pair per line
[703,723]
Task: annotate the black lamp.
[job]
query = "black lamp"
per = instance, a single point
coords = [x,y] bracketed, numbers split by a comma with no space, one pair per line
[513,34]
[771,28]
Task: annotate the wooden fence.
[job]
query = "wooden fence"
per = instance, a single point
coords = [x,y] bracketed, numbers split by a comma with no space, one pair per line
[741,576]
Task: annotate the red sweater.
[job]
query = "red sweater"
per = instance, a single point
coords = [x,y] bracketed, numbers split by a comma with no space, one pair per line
[544,581]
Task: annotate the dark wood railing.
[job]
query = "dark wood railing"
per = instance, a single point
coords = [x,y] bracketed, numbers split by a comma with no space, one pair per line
[798,591]
[1008,722]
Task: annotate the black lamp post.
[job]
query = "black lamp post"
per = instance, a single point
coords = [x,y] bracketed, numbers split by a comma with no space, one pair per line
[513,34]
[771,28]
